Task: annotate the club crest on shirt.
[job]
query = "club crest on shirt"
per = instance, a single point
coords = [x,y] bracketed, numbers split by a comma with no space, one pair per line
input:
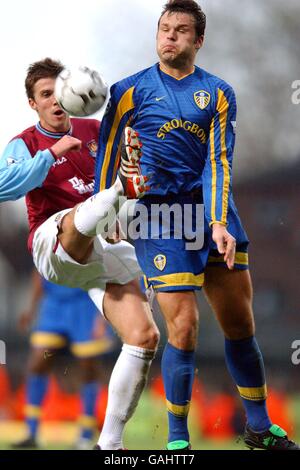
[160,262]
[92,146]
[202,98]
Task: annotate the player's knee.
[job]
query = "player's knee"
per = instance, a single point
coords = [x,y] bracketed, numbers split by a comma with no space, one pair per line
[181,315]
[147,338]
[183,332]
[153,338]
[240,330]
[184,339]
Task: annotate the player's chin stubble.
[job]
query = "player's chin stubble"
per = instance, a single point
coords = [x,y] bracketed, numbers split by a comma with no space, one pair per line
[175,61]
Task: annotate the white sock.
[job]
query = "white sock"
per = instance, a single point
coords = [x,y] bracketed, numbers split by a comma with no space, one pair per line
[94,214]
[126,384]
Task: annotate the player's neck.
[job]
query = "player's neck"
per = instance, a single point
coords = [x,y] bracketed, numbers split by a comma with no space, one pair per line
[177,73]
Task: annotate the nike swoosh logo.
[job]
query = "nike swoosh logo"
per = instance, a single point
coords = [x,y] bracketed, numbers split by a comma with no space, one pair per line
[159,99]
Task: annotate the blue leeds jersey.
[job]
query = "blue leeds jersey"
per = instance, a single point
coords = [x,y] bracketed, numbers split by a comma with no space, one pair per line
[187,128]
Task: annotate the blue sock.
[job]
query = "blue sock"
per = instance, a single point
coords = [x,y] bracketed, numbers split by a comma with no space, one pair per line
[36,389]
[245,364]
[89,393]
[178,368]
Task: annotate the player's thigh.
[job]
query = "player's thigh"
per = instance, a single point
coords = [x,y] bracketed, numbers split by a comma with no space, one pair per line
[105,264]
[127,309]
[230,295]
[41,360]
[77,245]
[51,259]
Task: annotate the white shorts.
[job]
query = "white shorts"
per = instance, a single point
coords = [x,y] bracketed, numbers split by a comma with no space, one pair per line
[115,263]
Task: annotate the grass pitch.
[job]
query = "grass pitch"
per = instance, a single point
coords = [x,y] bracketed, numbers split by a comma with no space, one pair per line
[146,430]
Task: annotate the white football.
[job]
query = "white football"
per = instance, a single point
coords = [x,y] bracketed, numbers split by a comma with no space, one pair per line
[80,91]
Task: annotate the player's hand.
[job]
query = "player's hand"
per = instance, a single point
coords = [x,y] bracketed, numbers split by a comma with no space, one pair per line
[225,242]
[24,321]
[66,144]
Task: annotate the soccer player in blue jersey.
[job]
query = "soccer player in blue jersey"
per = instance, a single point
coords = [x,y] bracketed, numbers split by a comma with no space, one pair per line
[186,120]
[63,317]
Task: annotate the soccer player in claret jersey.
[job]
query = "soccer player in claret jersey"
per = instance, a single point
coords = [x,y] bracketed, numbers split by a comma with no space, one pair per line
[186,119]
[52,163]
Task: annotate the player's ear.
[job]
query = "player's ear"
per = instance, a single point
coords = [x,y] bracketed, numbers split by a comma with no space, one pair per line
[199,42]
[32,104]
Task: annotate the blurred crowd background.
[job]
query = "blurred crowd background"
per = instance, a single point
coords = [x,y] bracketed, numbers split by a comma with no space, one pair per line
[255,47]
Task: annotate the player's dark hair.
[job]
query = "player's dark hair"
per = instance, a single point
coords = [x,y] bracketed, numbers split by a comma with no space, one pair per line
[46,68]
[191,8]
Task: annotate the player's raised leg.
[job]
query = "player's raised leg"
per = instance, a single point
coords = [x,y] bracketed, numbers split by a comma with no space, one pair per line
[84,222]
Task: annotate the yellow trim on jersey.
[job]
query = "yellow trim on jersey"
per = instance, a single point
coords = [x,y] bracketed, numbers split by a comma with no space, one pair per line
[117,163]
[178,279]
[87,422]
[125,105]
[178,79]
[217,222]
[91,348]
[240,258]
[145,281]
[253,393]
[40,339]
[222,108]
[178,410]
[213,171]
[32,411]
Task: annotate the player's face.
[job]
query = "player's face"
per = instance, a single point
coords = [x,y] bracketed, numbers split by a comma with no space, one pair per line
[176,40]
[45,104]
